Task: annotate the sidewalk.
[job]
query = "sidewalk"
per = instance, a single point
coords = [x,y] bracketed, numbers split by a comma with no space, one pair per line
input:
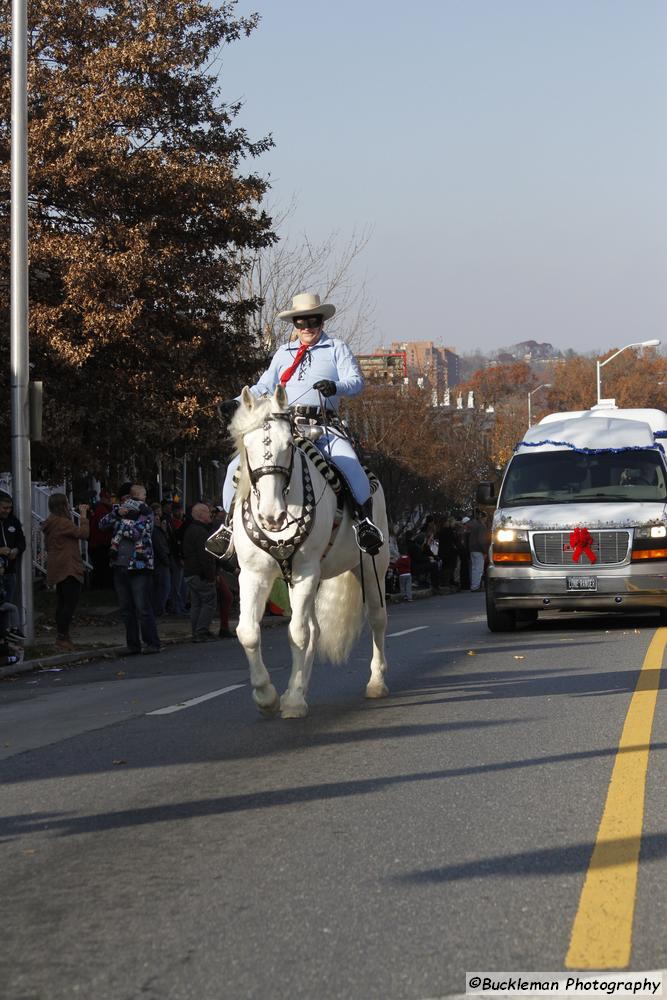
[98,632]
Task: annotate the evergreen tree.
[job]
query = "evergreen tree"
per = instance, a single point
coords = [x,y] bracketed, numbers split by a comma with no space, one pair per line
[142,224]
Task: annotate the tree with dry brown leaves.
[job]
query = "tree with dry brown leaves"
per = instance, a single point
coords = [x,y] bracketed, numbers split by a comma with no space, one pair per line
[427,459]
[634,379]
[142,221]
[495,383]
[394,428]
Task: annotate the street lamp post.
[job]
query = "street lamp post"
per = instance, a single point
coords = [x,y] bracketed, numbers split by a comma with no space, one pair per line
[20,369]
[601,364]
[544,385]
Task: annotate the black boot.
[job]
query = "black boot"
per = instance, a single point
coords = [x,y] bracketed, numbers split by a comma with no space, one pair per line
[221,543]
[369,537]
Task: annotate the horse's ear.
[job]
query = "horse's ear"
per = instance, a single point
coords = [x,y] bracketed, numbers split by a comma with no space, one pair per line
[280,396]
[247,398]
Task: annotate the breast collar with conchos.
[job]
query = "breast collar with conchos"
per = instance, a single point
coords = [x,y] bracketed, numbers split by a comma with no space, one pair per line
[282,550]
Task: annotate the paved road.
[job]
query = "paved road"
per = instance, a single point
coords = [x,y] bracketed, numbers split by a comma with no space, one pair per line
[373,850]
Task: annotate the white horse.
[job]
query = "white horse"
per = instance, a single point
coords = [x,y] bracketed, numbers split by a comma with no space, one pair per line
[285,518]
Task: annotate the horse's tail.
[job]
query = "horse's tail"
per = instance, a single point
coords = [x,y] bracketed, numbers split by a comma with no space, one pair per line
[340,615]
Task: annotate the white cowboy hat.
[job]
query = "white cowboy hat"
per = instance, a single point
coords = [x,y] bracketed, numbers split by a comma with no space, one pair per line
[307,304]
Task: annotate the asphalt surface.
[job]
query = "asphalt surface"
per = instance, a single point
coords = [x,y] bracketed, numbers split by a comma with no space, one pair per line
[374,849]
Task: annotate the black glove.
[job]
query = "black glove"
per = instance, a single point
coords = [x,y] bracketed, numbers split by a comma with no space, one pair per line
[227,409]
[326,387]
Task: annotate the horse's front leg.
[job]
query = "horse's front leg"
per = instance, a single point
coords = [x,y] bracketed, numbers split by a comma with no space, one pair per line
[377,619]
[303,635]
[253,592]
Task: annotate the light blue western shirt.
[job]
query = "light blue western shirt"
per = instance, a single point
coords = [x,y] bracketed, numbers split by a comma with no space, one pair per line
[329,358]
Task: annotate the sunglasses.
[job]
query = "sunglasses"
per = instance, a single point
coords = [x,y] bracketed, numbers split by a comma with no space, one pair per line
[308,322]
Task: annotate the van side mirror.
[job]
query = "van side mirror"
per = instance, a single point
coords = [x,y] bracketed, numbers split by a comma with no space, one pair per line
[485,493]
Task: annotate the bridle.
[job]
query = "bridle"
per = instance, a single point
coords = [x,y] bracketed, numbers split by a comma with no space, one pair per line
[271,470]
[282,550]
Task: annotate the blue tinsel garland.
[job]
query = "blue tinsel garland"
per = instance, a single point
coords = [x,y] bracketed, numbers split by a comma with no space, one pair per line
[590,451]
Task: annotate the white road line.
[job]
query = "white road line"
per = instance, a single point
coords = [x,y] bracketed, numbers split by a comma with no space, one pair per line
[405,631]
[194,701]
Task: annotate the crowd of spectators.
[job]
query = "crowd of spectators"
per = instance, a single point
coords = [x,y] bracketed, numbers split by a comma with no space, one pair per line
[153,555]
[445,553]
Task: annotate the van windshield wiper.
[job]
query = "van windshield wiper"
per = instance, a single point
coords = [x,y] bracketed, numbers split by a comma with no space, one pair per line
[529,498]
[607,496]
[617,496]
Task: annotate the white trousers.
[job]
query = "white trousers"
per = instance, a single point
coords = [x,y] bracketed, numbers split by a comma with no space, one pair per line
[476,569]
[333,446]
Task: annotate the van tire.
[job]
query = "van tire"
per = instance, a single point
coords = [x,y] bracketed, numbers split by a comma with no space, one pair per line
[498,621]
[663,616]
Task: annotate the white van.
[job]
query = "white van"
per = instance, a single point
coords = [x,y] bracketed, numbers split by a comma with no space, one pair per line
[581,521]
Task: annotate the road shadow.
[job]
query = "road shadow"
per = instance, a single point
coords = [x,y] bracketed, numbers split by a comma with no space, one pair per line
[66,824]
[250,743]
[566,860]
[510,684]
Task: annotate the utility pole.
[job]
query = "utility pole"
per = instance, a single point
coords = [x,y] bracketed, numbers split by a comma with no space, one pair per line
[20,369]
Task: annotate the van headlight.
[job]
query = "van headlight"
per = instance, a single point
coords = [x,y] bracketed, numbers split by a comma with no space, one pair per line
[504,535]
[656,531]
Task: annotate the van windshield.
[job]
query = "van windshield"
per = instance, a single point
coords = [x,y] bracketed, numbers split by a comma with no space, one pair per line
[567,477]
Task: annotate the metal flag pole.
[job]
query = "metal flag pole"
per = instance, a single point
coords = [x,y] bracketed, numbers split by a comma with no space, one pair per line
[20,370]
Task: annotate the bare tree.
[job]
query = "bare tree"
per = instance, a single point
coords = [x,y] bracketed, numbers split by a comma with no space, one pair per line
[296,264]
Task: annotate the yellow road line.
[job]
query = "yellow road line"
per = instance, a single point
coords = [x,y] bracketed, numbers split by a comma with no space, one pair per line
[602,930]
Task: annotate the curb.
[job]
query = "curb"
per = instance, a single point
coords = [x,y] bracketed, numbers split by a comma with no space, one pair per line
[419,595]
[62,659]
[101,653]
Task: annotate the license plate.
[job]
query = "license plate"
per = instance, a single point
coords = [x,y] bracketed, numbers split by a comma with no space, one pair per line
[582,583]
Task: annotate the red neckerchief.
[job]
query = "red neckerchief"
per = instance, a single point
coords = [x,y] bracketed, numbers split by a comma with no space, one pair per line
[287,374]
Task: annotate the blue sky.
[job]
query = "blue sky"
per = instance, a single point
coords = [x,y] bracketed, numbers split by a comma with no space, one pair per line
[509,155]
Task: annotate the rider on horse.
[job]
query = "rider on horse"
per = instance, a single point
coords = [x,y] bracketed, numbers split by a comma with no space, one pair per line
[316,370]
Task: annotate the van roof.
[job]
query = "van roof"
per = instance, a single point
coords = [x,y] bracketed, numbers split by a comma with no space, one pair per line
[590,429]
[656,419]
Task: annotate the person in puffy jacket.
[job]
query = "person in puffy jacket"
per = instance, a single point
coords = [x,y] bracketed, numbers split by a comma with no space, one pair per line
[64,565]
[132,559]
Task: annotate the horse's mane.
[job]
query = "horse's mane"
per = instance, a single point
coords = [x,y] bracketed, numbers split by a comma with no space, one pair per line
[248,419]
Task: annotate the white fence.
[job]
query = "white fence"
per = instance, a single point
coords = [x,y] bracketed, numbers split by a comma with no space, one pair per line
[39,505]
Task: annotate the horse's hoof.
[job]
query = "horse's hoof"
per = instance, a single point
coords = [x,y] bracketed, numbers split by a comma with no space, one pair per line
[377,690]
[293,710]
[267,708]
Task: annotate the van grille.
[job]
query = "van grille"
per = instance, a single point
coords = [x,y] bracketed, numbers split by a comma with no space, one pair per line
[552,548]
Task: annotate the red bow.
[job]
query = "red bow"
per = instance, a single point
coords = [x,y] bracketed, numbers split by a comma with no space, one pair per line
[580,542]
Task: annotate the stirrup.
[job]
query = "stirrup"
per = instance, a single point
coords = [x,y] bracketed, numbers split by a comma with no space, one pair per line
[221,543]
[368,536]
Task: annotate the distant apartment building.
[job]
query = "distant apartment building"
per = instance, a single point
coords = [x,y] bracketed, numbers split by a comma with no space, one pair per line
[386,368]
[438,367]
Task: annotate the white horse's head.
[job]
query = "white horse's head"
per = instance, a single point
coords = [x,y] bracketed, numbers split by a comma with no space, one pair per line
[262,431]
